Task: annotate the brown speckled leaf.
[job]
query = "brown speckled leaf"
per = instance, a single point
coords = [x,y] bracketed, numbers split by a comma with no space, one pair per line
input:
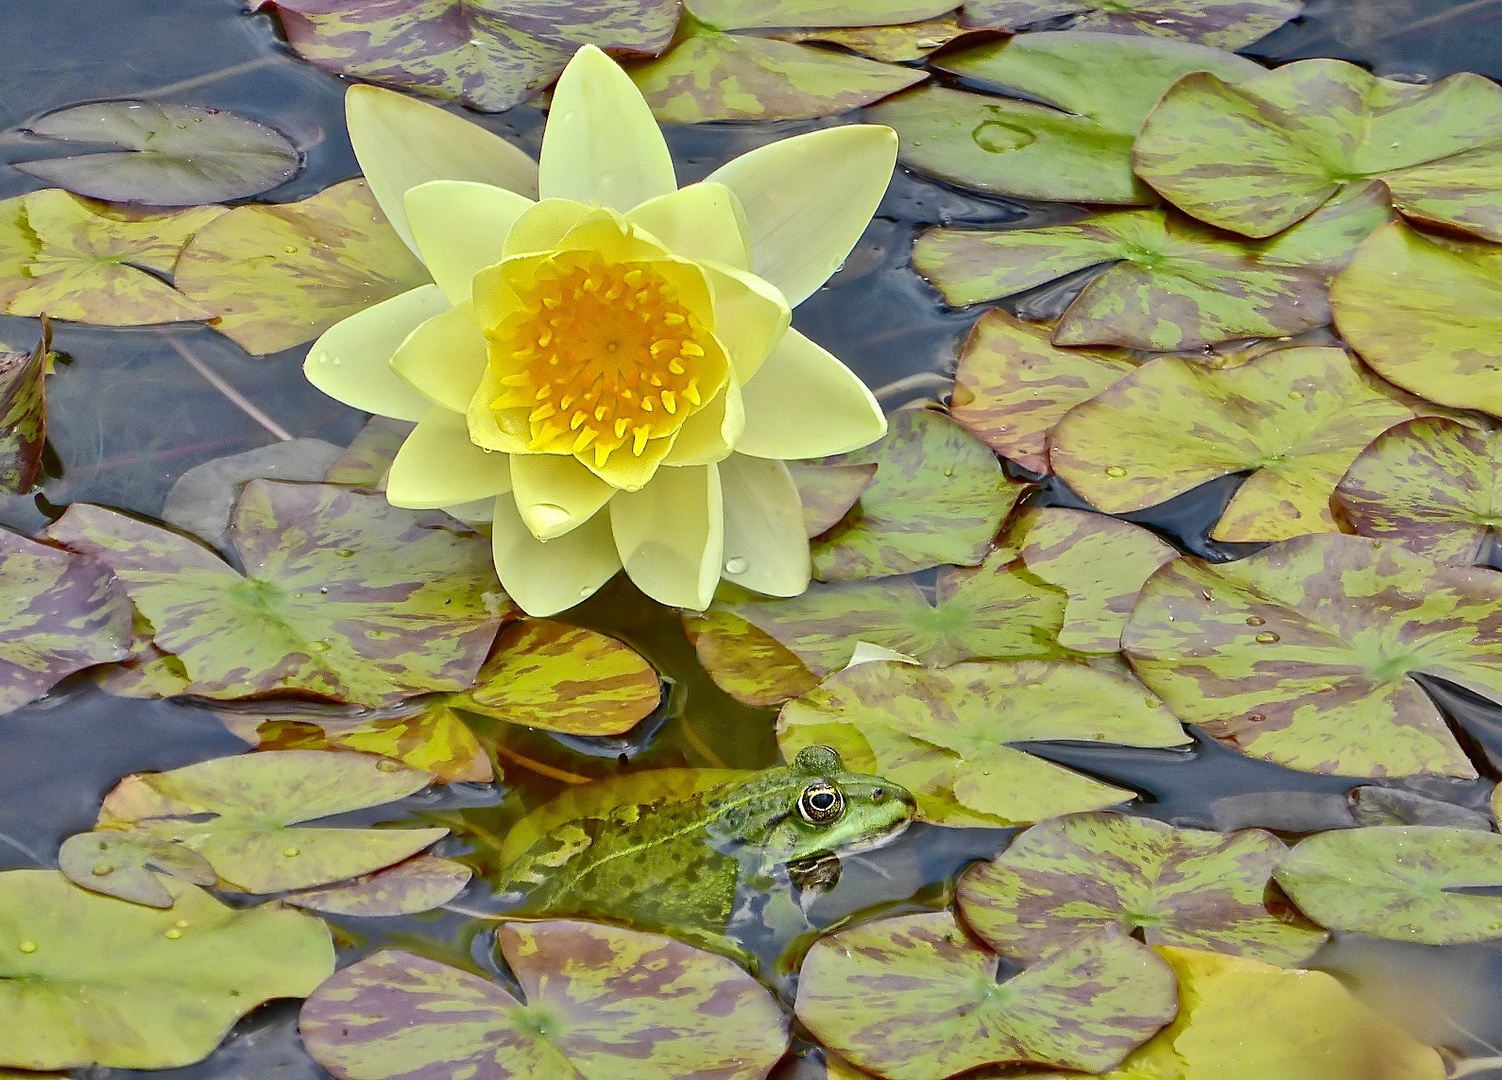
[149,671]
[747,663]
[422,883]
[894,44]
[827,492]
[23,414]
[1226,24]
[743,14]
[365,462]
[913,998]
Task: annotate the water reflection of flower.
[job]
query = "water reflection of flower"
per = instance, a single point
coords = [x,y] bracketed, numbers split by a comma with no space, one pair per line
[612,363]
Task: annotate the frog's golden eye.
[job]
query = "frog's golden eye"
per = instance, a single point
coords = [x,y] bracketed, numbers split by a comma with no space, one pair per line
[821,802]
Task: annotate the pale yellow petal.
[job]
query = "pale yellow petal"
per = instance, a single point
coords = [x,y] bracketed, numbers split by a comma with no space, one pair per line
[805,403]
[750,317]
[808,199]
[438,466]
[544,578]
[555,494]
[460,228]
[766,547]
[544,224]
[711,433]
[482,419]
[702,222]
[614,237]
[671,535]
[444,358]
[402,142]
[601,144]
[351,361]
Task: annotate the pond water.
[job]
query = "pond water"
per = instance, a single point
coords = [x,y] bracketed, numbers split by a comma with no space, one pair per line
[130,410]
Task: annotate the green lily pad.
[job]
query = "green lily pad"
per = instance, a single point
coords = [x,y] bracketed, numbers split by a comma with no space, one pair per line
[367,459]
[346,597]
[274,276]
[913,998]
[556,677]
[1395,882]
[162,155]
[422,883]
[1099,561]
[827,492]
[84,262]
[596,996]
[23,414]
[125,863]
[147,671]
[1225,24]
[994,610]
[1297,417]
[1300,654]
[1258,156]
[894,44]
[1066,878]
[255,799]
[945,734]
[746,14]
[1433,484]
[747,663]
[713,76]
[939,496]
[1095,91]
[90,980]
[1426,313]
[1215,287]
[63,614]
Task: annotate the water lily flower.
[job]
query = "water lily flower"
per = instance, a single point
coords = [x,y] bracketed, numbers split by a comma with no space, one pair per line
[605,355]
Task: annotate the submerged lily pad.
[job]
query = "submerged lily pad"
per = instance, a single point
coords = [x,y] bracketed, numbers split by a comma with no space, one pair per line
[1397,882]
[125,863]
[1258,156]
[913,998]
[274,276]
[162,154]
[90,980]
[1298,417]
[1226,24]
[939,496]
[827,492]
[746,662]
[1095,89]
[1426,313]
[894,44]
[1066,878]
[346,597]
[945,734]
[748,14]
[1300,654]
[422,883]
[368,458]
[23,414]
[595,996]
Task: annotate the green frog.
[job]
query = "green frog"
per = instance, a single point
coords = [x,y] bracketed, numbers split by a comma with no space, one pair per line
[679,862]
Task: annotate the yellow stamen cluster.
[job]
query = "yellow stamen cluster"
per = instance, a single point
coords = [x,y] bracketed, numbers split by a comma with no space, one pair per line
[608,356]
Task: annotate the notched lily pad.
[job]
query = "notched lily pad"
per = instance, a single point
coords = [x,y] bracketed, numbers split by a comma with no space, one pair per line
[125,863]
[595,996]
[1226,24]
[746,662]
[23,414]
[369,456]
[422,883]
[162,154]
[827,492]
[913,998]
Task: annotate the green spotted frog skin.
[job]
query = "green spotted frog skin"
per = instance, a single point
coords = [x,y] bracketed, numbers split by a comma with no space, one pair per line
[676,864]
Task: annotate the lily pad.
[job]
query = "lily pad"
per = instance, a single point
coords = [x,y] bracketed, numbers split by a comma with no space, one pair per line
[747,663]
[346,597]
[256,799]
[1215,287]
[161,154]
[422,883]
[913,998]
[827,492]
[1066,878]
[1433,484]
[745,14]
[945,734]
[125,863]
[1426,313]
[1225,24]
[595,996]
[90,980]
[1258,156]
[23,414]
[1300,654]
[894,44]
[83,262]
[556,677]
[1398,882]
[63,613]
[147,671]
[368,458]
[713,76]
[1090,93]
[939,496]
[1295,419]
[274,276]
[1101,562]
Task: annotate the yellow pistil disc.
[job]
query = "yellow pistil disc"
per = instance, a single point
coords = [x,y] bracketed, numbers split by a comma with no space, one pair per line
[607,357]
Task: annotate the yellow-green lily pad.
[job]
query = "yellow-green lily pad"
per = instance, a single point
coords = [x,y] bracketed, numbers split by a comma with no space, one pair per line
[125,863]
[894,44]
[1226,24]
[23,414]
[747,14]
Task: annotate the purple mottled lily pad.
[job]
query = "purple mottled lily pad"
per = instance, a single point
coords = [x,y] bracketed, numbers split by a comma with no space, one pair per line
[422,883]
[743,14]
[369,456]
[745,661]
[1225,24]
[23,414]
[827,492]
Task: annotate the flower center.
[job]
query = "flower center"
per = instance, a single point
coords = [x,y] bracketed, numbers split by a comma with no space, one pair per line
[609,356]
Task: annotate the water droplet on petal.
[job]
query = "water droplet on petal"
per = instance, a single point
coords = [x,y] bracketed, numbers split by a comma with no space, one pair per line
[548,516]
[737,565]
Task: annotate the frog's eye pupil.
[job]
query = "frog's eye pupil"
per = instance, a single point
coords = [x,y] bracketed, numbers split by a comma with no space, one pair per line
[820,803]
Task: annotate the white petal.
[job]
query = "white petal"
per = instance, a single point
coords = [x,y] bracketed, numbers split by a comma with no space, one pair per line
[808,199]
[702,222]
[351,361]
[601,144]
[805,403]
[544,578]
[438,466]
[765,545]
[460,228]
[555,494]
[402,142]
[670,535]
[444,358]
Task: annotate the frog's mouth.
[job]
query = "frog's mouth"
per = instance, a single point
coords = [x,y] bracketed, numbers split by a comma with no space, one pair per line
[871,843]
